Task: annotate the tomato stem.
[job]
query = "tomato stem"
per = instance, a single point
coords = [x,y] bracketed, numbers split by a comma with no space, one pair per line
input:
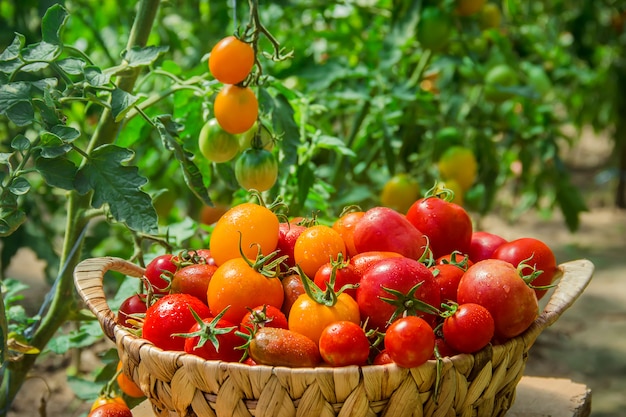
[408,303]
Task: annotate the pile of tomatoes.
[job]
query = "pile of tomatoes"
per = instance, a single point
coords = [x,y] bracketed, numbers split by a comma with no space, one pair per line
[370,287]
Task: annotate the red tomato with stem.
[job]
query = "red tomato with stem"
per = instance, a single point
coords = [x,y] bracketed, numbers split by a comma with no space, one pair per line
[263,316]
[447,277]
[468,328]
[213,338]
[131,310]
[344,343]
[410,341]
[288,233]
[345,274]
[158,267]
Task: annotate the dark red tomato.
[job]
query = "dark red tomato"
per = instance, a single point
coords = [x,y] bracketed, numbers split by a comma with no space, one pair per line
[111,410]
[263,316]
[384,229]
[171,315]
[536,255]
[130,308]
[194,280]
[344,343]
[224,345]
[382,358]
[410,341]
[288,233]
[160,265]
[447,277]
[292,289]
[443,348]
[469,329]
[206,255]
[497,286]
[363,261]
[346,273]
[401,275]
[447,225]
[483,245]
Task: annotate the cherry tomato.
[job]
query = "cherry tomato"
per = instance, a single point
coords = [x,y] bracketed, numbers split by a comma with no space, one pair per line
[194,280]
[315,246]
[237,286]
[292,288]
[130,309]
[111,410]
[483,245]
[447,277]
[364,260]
[433,28]
[344,343]
[469,7]
[216,144]
[496,285]
[265,138]
[399,192]
[262,316]
[104,399]
[231,60]
[236,108]
[345,225]
[127,385]
[253,224]
[211,214]
[256,169]
[170,315]
[288,233]
[458,163]
[536,255]
[214,339]
[382,358]
[497,80]
[410,341]
[469,328]
[345,273]
[155,268]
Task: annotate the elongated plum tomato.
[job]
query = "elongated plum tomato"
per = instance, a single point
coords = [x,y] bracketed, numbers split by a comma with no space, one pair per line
[256,169]
[236,108]
[253,224]
[231,60]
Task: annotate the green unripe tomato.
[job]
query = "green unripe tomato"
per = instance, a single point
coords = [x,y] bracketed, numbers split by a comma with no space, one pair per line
[256,169]
[265,136]
[498,77]
[216,144]
[433,29]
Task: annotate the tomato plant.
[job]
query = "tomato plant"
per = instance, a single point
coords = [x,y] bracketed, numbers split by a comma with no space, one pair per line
[399,192]
[344,343]
[458,163]
[409,341]
[434,28]
[231,60]
[256,169]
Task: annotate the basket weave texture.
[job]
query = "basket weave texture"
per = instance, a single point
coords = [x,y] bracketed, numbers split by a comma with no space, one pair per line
[176,383]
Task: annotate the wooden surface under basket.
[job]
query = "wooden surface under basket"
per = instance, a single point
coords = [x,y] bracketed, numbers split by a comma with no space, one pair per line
[482,384]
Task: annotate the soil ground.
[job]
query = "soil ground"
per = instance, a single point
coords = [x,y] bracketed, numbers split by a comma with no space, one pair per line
[587,344]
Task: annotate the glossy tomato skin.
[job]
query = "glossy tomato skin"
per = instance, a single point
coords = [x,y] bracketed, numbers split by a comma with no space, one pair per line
[227,343]
[236,108]
[231,60]
[104,399]
[135,304]
[496,285]
[288,233]
[315,246]
[345,225]
[469,329]
[256,169]
[410,341]
[346,274]
[292,289]
[127,385]
[447,277]
[282,347]
[159,265]
[263,316]
[194,280]
[400,274]
[483,245]
[344,343]
[447,225]
[169,315]
[111,410]
[384,229]
[536,254]
[364,260]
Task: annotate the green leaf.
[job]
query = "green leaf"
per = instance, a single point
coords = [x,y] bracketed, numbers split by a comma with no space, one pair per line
[66,133]
[95,77]
[286,128]
[41,51]
[13,93]
[19,186]
[35,66]
[53,146]
[138,56]
[119,186]
[72,66]
[58,172]
[121,103]
[53,23]
[20,143]
[333,143]
[48,112]
[168,130]
[10,221]
[306,179]
[571,203]
[12,51]
[21,113]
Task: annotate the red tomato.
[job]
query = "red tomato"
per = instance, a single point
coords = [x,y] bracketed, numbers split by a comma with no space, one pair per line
[536,255]
[345,273]
[363,261]
[194,280]
[401,275]
[130,308]
[288,233]
[263,316]
[344,343]
[345,225]
[497,286]
[384,229]
[483,245]
[162,264]
[468,329]
[447,225]
[171,315]
[382,358]
[410,341]
[443,348]
[282,347]
[214,339]
[292,289]
[111,410]
[447,277]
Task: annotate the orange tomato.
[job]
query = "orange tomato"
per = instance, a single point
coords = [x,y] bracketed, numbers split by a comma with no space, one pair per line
[236,108]
[127,385]
[344,225]
[469,7]
[315,246]
[211,214]
[237,286]
[253,224]
[231,60]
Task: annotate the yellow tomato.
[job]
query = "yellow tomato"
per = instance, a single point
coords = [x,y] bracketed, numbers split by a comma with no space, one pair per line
[458,163]
[400,192]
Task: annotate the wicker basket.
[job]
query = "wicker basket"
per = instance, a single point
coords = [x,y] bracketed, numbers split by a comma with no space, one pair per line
[181,384]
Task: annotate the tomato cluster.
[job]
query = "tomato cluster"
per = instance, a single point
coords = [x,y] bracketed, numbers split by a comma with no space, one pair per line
[371,287]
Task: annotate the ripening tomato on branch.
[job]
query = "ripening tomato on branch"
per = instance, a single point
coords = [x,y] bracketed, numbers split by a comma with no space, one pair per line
[231,60]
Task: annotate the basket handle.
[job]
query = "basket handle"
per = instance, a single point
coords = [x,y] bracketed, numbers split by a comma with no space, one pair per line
[575,276]
[88,276]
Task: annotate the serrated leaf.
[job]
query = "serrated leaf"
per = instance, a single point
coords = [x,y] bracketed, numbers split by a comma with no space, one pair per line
[35,66]
[95,77]
[138,56]
[10,221]
[121,103]
[8,67]
[13,93]
[53,23]
[119,186]
[42,51]
[21,113]
[13,51]
[58,172]
[20,143]
[72,66]
[168,131]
